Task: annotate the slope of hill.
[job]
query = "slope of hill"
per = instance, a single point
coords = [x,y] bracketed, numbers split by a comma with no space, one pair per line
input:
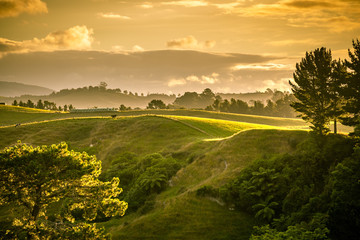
[89,99]
[13,89]
[179,213]
[213,152]
[10,115]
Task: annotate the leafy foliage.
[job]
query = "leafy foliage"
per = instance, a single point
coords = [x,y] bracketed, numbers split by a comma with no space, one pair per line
[312,81]
[156,104]
[143,177]
[44,186]
[312,194]
[352,87]
[195,100]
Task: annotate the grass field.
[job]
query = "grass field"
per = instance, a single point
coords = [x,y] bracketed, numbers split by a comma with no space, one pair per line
[214,146]
[10,115]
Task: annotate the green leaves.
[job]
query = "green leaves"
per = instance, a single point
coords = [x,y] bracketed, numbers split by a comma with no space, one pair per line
[312,81]
[36,179]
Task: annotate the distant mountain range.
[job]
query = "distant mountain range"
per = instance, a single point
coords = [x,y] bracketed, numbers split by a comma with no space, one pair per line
[14,89]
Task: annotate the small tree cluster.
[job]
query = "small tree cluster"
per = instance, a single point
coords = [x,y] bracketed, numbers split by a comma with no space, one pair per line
[43,105]
[195,100]
[156,104]
[279,107]
[124,108]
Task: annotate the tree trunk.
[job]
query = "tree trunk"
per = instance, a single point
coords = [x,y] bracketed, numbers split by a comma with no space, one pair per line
[335,127]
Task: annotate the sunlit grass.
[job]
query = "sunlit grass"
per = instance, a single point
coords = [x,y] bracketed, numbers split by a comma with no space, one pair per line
[25,109]
[213,151]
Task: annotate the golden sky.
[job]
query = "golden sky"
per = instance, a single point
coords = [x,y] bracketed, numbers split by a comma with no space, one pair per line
[147,46]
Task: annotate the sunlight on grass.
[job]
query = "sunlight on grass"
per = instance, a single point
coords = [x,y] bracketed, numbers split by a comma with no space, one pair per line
[26,109]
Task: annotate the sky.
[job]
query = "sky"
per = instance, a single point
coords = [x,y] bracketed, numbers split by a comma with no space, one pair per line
[169,46]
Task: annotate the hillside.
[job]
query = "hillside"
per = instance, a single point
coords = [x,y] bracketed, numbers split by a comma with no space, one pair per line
[14,89]
[90,99]
[10,115]
[211,152]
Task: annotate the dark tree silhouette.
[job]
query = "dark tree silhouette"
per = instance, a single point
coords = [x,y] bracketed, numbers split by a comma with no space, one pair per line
[312,81]
[156,104]
[352,87]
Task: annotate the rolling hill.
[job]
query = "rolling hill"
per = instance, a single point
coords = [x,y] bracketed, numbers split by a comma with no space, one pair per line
[212,147]
[81,98]
[14,89]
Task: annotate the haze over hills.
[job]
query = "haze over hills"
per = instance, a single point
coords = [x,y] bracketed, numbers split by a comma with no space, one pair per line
[90,97]
[14,89]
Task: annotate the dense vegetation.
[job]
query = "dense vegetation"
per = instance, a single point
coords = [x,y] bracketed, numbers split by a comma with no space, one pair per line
[52,192]
[311,194]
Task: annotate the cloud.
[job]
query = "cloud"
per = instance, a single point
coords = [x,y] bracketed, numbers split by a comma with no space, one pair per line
[113,16]
[188,3]
[146,5]
[310,4]
[334,15]
[228,7]
[77,37]
[137,48]
[190,42]
[279,84]
[13,8]
[176,82]
[144,71]
[267,66]
[289,42]
[203,80]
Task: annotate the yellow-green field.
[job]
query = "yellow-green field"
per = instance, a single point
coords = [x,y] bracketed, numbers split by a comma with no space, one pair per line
[214,146]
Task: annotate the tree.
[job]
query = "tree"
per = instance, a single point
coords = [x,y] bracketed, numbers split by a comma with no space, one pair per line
[207,97]
[103,85]
[217,102]
[55,191]
[15,103]
[312,80]
[338,78]
[188,100]
[265,209]
[30,104]
[156,104]
[122,107]
[352,87]
[40,104]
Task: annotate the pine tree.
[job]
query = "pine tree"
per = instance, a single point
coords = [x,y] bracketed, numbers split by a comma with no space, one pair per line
[352,87]
[338,78]
[312,79]
[40,104]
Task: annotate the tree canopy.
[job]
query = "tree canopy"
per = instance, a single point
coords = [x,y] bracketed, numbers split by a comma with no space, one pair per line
[53,193]
[352,87]
[156,104]
[312,81]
